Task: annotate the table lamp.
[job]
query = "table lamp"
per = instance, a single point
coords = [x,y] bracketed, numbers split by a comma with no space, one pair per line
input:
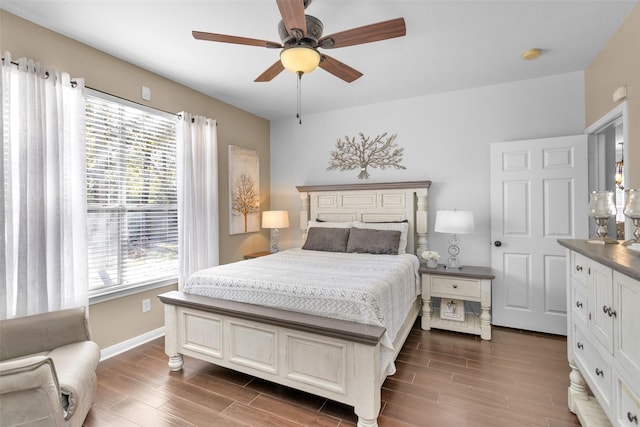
[275,220]
[454,222]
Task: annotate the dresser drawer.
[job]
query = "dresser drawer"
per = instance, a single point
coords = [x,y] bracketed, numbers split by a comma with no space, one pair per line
[580,303]
[596,370]
[455,287]
[628,409]
[579,268]
[579,341]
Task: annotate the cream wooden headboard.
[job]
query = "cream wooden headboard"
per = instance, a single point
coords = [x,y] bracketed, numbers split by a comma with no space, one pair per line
[376,202]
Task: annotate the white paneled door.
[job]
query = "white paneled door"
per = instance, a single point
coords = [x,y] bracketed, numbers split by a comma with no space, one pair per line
[538,195]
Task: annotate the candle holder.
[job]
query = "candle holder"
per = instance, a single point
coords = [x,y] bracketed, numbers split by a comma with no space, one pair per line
[601,208]
[632,211]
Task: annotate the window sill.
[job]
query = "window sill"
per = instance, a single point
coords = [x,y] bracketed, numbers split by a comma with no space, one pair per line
[108,295]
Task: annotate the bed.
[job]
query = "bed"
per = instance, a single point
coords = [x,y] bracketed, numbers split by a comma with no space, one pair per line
[287,336]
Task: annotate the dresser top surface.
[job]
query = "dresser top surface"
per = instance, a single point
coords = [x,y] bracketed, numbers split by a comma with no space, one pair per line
[617,257]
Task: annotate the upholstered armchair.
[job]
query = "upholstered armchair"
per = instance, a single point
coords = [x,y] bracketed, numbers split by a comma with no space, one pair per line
[47,369]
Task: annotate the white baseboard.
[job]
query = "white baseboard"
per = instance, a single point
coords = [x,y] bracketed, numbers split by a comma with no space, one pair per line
[131,343]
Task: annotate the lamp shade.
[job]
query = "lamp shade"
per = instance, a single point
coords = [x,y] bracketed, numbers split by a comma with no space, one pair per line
[454,222]
[300,59]
[275,219]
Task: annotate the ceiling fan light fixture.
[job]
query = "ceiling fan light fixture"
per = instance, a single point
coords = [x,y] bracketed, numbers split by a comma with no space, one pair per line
[300,59]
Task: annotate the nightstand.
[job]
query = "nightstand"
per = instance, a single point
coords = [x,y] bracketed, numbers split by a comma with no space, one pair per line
[257,254]
[468,284]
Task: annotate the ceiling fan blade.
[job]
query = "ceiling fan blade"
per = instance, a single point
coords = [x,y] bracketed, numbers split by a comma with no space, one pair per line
[270,72]
[213,37]
[292,12]
[339,69]
[366,34]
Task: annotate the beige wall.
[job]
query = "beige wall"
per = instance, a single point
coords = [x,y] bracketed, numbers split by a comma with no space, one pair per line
[618,64]
[118,320]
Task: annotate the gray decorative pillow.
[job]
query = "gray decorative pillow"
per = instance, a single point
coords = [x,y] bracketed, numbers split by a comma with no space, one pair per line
[326,239]
[372,241]
[402,227]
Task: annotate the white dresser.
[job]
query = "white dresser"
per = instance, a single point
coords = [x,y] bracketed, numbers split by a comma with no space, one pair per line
[603,333]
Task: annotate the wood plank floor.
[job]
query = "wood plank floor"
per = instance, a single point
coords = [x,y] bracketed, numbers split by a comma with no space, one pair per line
[443,379]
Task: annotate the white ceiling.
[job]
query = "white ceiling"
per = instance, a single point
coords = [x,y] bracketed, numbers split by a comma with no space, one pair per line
[450,45]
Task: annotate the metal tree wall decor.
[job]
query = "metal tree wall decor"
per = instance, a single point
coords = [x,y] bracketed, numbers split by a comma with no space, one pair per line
[379,152]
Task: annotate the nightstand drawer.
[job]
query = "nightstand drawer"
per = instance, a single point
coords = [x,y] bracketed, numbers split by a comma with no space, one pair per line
[455,287]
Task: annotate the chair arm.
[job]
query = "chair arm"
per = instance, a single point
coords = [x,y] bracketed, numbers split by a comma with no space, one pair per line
[29,392]
[76,367]
[43,332]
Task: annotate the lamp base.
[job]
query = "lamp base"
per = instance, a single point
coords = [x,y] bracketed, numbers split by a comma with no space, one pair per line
[275,240]
[603,241]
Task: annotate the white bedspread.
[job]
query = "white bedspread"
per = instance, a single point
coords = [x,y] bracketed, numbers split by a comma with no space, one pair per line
[371,289]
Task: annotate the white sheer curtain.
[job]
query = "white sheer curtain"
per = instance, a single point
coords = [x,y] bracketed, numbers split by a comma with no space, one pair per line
[43,251]
[197,195]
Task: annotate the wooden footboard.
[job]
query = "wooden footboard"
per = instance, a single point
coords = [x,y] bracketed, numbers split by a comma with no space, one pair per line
[335,359]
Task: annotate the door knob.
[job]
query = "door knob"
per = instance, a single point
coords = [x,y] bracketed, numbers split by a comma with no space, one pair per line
[497,243]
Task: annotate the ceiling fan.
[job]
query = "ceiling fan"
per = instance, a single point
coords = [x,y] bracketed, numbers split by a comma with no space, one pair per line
[301,37]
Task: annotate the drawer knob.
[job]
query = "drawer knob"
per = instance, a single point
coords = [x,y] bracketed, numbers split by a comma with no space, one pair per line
[609,311]
[632,418]
[580,345]
[578,268]
[579,304]
[600,372]
[455,286]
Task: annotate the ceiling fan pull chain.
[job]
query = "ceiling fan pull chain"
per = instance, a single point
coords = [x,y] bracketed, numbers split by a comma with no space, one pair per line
[299,106]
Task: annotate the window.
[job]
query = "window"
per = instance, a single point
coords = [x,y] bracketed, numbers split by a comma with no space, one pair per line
[131,195]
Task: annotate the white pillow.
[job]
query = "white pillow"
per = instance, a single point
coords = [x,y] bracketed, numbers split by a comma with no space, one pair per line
[328,224]
[402,227]
[324,224]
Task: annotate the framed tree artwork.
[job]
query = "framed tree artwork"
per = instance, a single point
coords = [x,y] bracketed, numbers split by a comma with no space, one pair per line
[244,190]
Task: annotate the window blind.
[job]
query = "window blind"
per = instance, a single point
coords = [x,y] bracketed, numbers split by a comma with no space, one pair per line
[131,195]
